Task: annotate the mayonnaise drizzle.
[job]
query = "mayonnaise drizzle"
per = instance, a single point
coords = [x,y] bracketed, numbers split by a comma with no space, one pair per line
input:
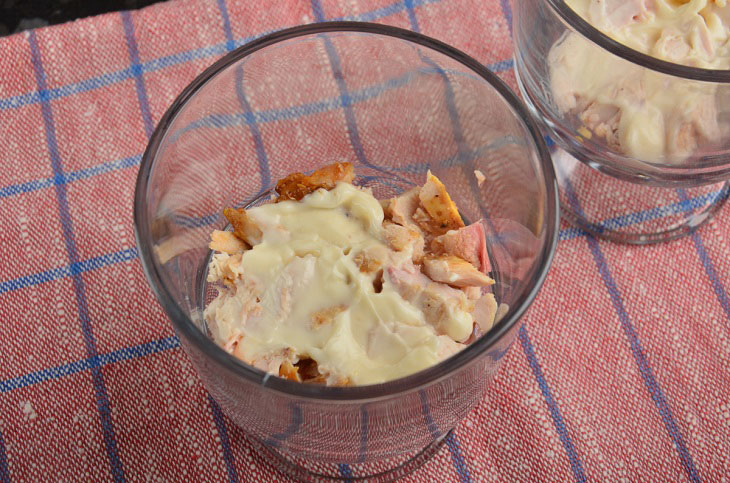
[306,265]
[660,118]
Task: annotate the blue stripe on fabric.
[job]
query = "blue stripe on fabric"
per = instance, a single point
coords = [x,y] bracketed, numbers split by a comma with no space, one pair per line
[570,233]
[69,270]
[507,12]
[230,42]
[68,90]
[501,66]
[184,57]
[717,285]
[647,215]
[709,267]
[294,112]
[255,132]
[35,279]
[629,219]
[352,130]
[30,186]
[131,253]
[110,78]
[426,411]
[220,424]
[296,420]
[120,355]
[144,105]
[345,471]
[457,458]
[364,429]
[647,374]
[380,12]
[451,441]
[410,9]
[575,464]
[79,286]
[4,468]
[319,13]
[346,100]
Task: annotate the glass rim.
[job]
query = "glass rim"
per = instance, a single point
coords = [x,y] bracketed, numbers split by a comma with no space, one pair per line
[591,33]
[184,325]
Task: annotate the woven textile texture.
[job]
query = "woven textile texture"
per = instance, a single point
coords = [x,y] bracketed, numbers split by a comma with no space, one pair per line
[621,372]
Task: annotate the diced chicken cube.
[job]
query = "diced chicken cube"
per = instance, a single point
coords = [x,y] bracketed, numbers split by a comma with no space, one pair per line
[297,185]
[485,311]
[371,259]
[288,371]
[468,243]
[603,120]
[454,271]
[326,316]
[226,242]
[439,206]
[401,208]
[401,238]
[243,227]
[443,307]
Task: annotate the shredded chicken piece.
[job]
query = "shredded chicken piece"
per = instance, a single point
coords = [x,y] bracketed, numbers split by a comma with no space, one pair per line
[226,242]
[401,208]
[437,301]
[297,185]
[326,316]
[439,206]
[485,312]
[468,243]
[454,271]
[371,259]
[400,238]
[243,227]
[230,269]
[288,371]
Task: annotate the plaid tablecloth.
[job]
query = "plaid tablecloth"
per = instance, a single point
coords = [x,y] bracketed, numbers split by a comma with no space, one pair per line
[621,373]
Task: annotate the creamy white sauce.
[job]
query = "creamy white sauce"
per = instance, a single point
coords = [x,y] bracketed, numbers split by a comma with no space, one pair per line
[661,118]
[306,264]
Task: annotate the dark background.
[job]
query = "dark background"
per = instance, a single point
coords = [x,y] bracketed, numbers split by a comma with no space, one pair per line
[19,15]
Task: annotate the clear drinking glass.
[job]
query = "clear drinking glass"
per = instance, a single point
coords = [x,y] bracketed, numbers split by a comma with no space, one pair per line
[394,103]
[640,197]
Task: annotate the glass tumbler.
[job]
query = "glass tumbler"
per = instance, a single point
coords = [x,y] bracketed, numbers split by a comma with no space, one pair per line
[395,104]
[643,181]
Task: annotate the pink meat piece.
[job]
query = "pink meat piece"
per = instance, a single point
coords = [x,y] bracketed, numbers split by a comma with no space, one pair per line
[436,300]
[484,312]
[469,243]
[404,206]
[616,14]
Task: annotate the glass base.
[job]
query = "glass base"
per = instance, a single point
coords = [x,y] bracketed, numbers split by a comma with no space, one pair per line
[626,212]
[381,471]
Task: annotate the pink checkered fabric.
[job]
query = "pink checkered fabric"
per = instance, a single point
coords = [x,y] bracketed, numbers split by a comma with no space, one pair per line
[621,373]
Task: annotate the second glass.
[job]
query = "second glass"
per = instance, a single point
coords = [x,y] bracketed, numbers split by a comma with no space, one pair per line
[640,180]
